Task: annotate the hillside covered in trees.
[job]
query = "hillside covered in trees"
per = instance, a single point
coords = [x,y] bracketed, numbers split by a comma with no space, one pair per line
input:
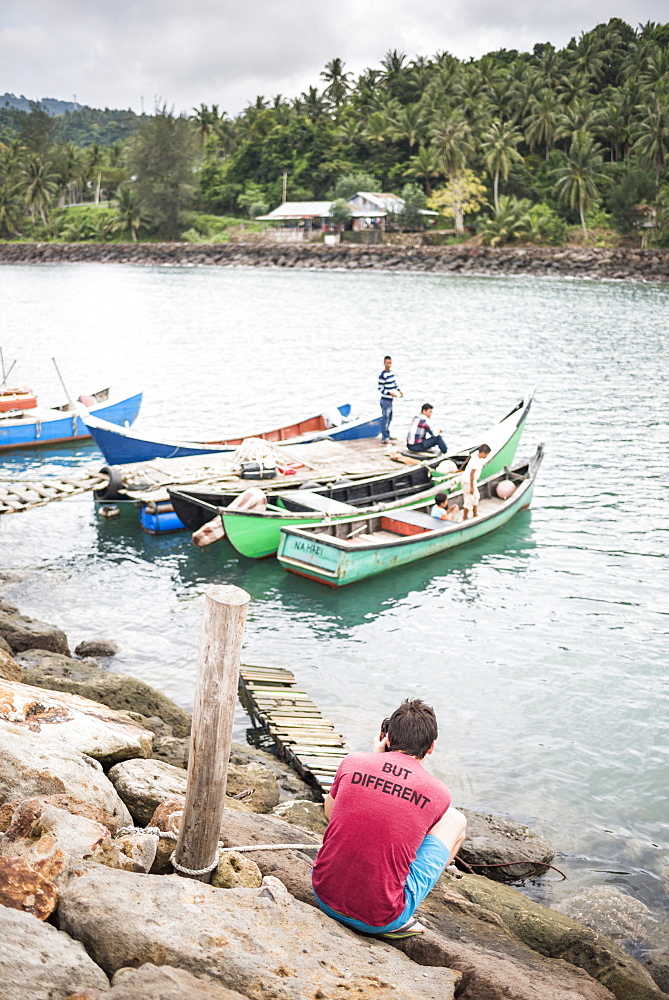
[537,147]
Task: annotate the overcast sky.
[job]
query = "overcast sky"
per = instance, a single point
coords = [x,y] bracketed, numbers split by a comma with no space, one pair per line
[115,52]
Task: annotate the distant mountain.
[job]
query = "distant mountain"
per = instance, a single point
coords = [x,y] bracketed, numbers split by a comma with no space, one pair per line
[50,104]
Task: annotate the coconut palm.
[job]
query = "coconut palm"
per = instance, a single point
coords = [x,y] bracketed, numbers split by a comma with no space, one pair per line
[542,121]
[580,116]
[426,164]
[578,179]
[409,124]
[511,221]
[11,208]
[452,138]
[95,160]
[39,186]
[337,82]
[499,152]
[652,136]
[130,217]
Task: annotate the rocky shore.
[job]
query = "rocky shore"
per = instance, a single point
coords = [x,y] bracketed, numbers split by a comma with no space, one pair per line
[580,262]
[92,785]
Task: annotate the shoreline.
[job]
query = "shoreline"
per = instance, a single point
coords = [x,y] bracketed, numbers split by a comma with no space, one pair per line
[486,932]
[575,262]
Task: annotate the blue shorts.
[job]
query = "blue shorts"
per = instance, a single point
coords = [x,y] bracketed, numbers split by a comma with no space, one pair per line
[430,861]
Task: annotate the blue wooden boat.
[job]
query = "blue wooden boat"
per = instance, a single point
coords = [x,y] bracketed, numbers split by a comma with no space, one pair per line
[341,552]
[26,424]
[121,446]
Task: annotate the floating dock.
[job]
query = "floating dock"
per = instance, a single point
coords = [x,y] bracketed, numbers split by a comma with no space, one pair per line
[17,495]
[288,718]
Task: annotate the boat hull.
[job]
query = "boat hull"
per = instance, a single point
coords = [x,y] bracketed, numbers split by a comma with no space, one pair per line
[61,427]
[120,447]
[337,565]
[257,536]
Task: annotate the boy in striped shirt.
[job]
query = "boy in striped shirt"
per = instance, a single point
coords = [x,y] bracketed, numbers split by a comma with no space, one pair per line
[389,389]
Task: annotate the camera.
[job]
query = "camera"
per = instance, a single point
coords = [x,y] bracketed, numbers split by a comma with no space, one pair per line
[384,726]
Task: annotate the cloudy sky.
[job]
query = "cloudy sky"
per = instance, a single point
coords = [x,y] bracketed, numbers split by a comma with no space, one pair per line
[117,53]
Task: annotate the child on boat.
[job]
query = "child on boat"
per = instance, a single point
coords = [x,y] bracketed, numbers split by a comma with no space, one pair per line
[443,512]
[470,478]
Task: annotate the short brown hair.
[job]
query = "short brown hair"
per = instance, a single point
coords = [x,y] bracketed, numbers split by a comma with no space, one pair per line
[412,728]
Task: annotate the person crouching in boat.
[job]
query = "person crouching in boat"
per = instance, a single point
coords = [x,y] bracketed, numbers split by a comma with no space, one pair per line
[470,478]
[391,831]
[442,511]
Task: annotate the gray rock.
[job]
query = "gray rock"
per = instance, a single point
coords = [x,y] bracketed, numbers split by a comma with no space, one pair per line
[118,691]
[298,812]
[259,942]
[42,963]
[9,576]
[151,982]
[289,783]
[494,841]
[96,647]
[171,750]
[256,778]
[24,633]
[70,721]
[144,784]
[4,645]
[607,910]
[657,963]
[558,936]
[31,766]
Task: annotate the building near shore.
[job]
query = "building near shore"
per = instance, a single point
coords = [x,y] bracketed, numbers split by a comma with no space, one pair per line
[369,210]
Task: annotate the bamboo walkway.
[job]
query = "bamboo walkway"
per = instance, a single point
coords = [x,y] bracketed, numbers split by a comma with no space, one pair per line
[290,719]
[17,495]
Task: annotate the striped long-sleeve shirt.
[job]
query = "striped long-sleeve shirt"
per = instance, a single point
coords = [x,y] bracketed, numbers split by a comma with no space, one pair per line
[388,383]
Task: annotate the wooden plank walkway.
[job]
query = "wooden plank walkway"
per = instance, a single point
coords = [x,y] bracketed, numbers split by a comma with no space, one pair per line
[287,716]
[17,495]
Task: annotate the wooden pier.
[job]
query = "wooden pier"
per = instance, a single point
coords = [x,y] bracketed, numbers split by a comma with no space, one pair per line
[17,495]
[289,718]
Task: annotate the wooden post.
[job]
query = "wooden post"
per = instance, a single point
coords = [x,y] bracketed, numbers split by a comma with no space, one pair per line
[211,734]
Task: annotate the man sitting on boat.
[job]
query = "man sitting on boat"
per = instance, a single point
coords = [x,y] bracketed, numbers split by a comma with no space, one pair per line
[391,830]
[421,436]
[470,478]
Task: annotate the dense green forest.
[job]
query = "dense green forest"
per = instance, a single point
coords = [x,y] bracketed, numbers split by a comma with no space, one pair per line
[546,147]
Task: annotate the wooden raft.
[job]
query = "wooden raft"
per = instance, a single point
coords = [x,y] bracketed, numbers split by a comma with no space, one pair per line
[303,738]
[17,495]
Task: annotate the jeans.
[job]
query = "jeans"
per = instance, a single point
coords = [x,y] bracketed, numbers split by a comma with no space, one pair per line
[386,416]
[430,443]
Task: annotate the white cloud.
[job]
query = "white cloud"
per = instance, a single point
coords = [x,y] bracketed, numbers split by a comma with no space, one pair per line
[217,51]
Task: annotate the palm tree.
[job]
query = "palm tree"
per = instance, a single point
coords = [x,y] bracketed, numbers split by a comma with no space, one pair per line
[409,124]
[39,185]
[499,152]
[652,136]
[511,221]
[204,124]
[541,123]
[425,164]
[580,116]
[337,82]
[452,137]
[577,180]
[11,208]
[130,217]
[95,160]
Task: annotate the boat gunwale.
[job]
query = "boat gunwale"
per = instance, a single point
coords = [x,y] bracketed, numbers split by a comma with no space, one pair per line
[343,544]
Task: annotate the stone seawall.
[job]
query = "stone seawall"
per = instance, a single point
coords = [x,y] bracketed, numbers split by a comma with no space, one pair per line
[624,264]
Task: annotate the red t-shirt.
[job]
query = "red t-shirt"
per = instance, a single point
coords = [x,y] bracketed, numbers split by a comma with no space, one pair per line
[384,805]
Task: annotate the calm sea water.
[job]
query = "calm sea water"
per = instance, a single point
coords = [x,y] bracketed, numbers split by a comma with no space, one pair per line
[543,648]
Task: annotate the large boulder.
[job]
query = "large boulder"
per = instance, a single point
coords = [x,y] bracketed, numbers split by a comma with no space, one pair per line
[494,846]
[302,813]
[67,720]
[24,633]
[32,766]
[607,910]
[557,936]
[261,942]
[152,982]
[23,888]
[144,784]
[290,784]
[96,647]
[118,691]
[42,963]
[50,838]
[10,670]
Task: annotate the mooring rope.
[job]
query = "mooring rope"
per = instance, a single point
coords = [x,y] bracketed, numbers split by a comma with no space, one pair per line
[221,849]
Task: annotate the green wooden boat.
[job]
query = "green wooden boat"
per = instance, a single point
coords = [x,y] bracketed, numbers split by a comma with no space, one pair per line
[344,552]
[258,534]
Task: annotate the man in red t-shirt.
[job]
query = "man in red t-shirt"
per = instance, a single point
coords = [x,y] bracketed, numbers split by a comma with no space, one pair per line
[391,831]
